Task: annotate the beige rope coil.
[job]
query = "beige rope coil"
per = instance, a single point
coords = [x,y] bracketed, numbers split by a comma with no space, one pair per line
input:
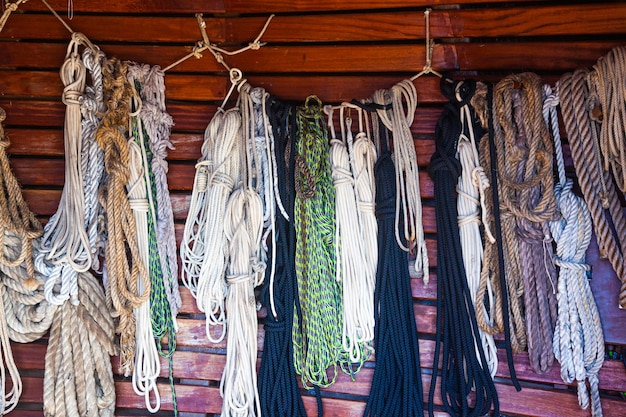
[528,195]
[124,266]
[493,321]
[78,379]
[596,184]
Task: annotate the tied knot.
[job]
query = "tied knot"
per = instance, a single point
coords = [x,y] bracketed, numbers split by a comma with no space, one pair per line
[223,180]
[443,163]
[139,204]
[71,96]
[272,325]
[342,176]
[366,207]
[11,7]
[237,278]
[571,265]
[255,46]
[257,265]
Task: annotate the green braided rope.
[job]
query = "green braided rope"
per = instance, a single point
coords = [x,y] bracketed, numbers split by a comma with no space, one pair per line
[317,334]
[160,310]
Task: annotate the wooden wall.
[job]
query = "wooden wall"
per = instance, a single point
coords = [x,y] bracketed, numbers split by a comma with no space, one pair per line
[338,50]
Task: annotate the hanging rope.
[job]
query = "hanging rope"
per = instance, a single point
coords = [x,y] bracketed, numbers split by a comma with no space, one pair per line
[397,383]
[464,368]
[78,379]
[403,98]
[318,322]
[595,183]
[528,194]
[578,338]
[471,190]
[278,388]
[358,303]
[124,266]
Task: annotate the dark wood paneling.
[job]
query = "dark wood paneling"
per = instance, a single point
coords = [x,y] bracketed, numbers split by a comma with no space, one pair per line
[132,6]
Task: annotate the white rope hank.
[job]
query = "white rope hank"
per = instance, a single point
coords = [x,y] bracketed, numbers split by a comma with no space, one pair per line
[470,203]
[403,98]
[578,339]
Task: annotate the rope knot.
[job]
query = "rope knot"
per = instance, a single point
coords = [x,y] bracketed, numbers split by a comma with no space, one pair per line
[574,266]
[237,278]
[255,46]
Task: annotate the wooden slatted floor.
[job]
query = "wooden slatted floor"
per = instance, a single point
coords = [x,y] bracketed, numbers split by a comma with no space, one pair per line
[338,50]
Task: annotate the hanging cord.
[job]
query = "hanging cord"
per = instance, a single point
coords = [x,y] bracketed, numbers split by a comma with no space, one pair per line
[403,98]
[500,316]
[597,186]
[78,379]
[528,194]
[278,388]
[65,247]
[147,365]
[464,368]
[152,131]
[471,190]
[578,338]
[397,383]
[317,326]
[8,9]
[609,83]
[358,303]
[124,266]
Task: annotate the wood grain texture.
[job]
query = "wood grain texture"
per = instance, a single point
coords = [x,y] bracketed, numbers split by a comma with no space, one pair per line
[132,6]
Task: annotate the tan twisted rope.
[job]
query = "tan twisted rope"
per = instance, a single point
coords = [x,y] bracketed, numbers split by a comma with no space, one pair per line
[491,270]
[15,216]
[595,183]
[528,195]
[78,379]
[124,265]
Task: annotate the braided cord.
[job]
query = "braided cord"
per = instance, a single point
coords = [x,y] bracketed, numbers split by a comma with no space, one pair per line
[318,324]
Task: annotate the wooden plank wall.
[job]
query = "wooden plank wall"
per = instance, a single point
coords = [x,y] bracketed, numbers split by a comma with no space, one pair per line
[339,50]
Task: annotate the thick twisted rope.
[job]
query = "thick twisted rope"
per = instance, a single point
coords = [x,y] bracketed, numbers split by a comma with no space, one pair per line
[403,98]
[528,194]
[124,266]
[397,383]
[78,379]
[277,381]
[318,322]
[578,338]
[465,367]
[609,83]
[595,183]
[471,191]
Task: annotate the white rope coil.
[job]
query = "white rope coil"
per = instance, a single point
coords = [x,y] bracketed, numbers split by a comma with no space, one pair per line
[470,203]
[578,340]
[403,98]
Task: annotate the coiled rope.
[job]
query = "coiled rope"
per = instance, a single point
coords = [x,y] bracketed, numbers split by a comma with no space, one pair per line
[78,379]
[397,383]
[403,97]
[278,387]
[243,227]
[595,183]
[464,368]
[578,338]
[528,194]
[471,191]
[124,265]
[358,303]
[65,248]
[20,288]
[318,322]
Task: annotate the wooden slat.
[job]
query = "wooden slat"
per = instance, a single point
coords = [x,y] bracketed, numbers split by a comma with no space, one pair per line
[275,6]
[540,20]
[103,28]
[132,6]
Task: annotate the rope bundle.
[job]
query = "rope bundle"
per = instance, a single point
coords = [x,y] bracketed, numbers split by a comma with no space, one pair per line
[397,383]
[318,321]
[78,379]
[278,388]
[578,338]
[464,367]
[124,266]
[528,194]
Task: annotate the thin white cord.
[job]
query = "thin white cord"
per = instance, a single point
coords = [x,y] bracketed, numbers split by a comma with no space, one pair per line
[469,188]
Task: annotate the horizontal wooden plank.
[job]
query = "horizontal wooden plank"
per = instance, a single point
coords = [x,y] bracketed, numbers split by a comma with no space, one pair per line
[598,18]
[275,6]
[120,28]
[132,6]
